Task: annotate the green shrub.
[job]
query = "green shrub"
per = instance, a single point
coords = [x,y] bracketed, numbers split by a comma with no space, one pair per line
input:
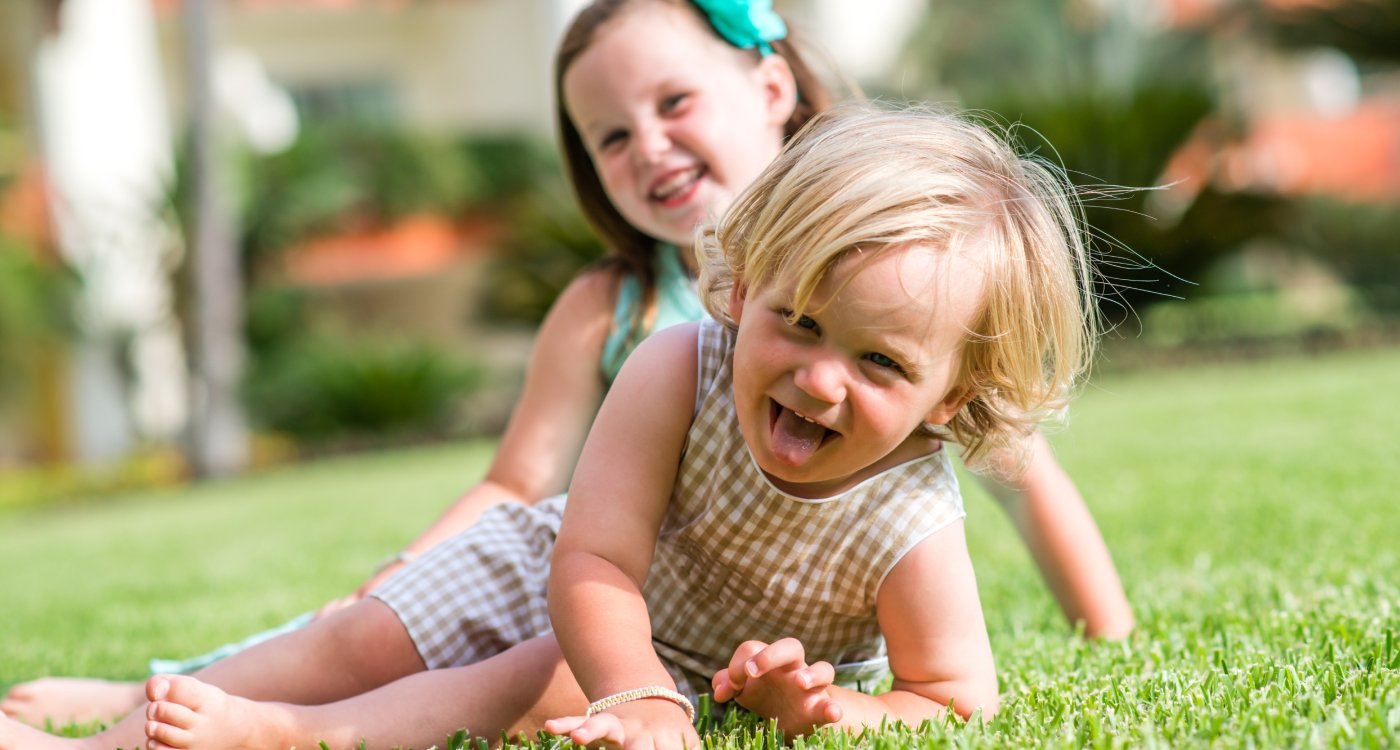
[1360,241]
[1251,316]
[35,308]
[365,393]
[510,166]
[550,242]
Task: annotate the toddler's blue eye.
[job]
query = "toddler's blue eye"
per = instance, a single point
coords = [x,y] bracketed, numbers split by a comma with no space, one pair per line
[883,361]
[805,322]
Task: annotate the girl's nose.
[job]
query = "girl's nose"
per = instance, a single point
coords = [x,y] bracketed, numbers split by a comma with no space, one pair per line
[823,379]
[650,142]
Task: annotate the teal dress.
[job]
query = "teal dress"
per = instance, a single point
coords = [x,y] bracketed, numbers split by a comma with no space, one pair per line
[676,302]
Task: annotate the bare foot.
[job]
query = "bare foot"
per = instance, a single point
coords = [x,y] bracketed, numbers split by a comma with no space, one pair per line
[76,700]
[17,736]
[186,713]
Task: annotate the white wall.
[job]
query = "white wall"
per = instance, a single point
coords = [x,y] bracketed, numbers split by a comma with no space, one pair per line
[479,66]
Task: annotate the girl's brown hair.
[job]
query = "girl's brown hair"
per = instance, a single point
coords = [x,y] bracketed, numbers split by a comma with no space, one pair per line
[631,251]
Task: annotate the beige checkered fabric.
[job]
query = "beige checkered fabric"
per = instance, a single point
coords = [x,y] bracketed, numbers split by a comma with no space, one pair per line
[736,558]
[480,592]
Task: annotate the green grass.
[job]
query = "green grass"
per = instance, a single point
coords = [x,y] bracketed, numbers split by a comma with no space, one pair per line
[1252,510]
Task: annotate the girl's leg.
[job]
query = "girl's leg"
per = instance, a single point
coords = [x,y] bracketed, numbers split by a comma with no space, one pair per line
[354,650]
[513,692]
[345,653]
[71,699]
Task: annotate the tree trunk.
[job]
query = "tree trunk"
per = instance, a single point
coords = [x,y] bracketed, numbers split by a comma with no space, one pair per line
[219,434]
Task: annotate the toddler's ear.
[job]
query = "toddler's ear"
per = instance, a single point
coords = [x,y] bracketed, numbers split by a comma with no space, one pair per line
[780,87]
[736,302]
[948,408]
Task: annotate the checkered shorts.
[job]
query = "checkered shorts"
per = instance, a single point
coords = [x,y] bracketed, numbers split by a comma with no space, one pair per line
[481,592]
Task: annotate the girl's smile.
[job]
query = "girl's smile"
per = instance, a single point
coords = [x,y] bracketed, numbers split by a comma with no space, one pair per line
[678,186]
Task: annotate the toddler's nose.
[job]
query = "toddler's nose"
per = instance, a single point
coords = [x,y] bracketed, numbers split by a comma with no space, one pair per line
[823,379]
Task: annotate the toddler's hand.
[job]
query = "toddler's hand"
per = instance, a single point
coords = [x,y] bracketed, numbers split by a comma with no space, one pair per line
[379,577]
[775,682]
[335,605]
[635,725]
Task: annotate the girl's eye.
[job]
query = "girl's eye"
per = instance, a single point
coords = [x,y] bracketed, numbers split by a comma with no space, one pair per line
[611,140]
[881,360]
[672,103]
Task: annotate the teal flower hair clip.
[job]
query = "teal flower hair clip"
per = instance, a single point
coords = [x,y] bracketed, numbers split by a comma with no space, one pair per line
[746,24]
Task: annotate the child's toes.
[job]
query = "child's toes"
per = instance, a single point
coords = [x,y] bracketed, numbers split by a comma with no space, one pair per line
[174,714]
[157,686]
[190,692]
[160,736]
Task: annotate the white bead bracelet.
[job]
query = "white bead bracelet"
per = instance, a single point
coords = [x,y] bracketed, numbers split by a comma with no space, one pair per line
[654,691]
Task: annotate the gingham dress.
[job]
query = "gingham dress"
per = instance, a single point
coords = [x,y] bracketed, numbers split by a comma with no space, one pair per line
[736,558]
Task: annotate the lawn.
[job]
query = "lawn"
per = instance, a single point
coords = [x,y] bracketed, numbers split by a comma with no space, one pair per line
[1252,510]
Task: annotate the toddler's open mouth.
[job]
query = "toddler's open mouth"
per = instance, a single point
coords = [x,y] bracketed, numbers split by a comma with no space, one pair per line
[796,437]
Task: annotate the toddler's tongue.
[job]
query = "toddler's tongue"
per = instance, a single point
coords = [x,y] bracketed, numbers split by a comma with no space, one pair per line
[794,438]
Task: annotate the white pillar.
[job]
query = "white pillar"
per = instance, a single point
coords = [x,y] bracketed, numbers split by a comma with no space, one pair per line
[107,146]
[864,38]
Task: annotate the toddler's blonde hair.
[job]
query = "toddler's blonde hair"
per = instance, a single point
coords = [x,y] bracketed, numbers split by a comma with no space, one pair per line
[862,177]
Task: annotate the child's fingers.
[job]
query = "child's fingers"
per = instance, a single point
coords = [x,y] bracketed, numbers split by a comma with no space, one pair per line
[603,728]
[335,605]
[831,711]
[786,653]
[745,652]
[818,676]
[723,687]
[564,724]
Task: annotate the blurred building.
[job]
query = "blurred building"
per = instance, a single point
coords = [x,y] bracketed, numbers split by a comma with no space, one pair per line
[471,65]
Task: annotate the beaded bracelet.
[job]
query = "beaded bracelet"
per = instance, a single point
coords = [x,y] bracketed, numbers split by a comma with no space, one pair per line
[654,691]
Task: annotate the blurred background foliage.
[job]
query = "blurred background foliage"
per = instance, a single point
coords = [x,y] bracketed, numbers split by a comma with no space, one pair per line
[1118,95]
[1364,29]
[1116,103]
[548,244]
[36,311]
[333,388]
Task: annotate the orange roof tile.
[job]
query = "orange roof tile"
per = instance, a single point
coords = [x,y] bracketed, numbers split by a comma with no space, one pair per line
[415,246]
[1355,156]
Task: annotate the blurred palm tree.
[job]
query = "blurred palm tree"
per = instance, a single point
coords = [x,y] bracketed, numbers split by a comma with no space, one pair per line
[1368,31]
[1108,92]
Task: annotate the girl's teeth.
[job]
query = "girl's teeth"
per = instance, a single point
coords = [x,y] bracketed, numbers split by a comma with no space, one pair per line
[804,416]
[676,184]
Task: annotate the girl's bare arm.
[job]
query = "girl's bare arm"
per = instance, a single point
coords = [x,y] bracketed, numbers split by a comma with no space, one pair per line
[939,652]
[1062,536]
